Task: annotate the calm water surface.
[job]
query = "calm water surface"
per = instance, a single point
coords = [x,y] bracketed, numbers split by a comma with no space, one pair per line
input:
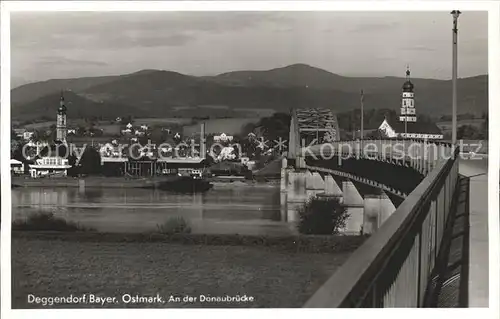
[223,209]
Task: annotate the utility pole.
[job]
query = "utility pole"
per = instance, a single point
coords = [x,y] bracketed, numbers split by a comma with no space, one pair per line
[455,14]
[406,125]
[362,115]
[406,108]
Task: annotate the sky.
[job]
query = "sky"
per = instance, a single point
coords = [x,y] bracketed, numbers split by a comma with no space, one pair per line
[46,45]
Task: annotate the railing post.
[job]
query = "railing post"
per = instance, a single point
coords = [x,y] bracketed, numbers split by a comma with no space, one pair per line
[422,158]
[435,229]
[390,149]
[419,267]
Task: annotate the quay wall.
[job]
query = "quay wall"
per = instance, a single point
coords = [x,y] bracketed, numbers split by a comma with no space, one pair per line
[88,182]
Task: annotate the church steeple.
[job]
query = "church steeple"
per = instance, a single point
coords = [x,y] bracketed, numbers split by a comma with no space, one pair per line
[62,107]
[408,86]
[407,100]
[61,130]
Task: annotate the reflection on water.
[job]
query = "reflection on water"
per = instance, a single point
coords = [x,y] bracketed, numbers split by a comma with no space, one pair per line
[243,210]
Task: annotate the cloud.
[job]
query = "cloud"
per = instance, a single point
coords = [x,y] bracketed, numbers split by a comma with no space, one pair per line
[135,40]
[60,61]
[418,48]
[374,27]
[215,42]
[110,30]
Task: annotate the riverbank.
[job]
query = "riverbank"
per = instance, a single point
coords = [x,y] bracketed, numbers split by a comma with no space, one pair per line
[89,182]
[245,183]
[125,182]
[75,264]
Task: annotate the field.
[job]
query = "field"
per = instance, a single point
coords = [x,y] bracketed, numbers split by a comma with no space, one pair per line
[273,277]
[446,126]
[40,125]
[162,121]
[232,126]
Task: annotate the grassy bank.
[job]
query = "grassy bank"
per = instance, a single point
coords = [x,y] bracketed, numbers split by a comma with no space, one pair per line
[300,243]
[274,278]
[274,271]
[87,182]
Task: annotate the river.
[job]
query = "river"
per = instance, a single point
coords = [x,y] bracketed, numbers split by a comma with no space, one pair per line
[251,210]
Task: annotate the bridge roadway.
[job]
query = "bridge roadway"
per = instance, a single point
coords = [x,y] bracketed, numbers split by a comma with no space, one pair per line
[477,171]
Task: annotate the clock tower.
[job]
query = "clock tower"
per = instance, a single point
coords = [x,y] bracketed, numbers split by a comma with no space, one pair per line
[61,121]
[408,101]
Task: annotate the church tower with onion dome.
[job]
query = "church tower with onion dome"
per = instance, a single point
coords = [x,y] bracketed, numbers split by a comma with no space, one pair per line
[61,129]
[408,101]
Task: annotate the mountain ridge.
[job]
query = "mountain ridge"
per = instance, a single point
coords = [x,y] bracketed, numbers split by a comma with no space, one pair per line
[159,92]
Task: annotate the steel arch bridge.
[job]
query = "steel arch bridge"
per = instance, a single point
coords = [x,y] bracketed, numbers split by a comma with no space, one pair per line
[318,124]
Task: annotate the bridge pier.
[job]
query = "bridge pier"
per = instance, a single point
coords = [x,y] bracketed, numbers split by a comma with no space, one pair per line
[301,185]
[355,207]
[377,209]
[314,184]
[332,188]
[296,193]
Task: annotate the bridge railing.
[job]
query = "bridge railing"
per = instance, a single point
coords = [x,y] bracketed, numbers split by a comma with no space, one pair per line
[393,267]
[421,155]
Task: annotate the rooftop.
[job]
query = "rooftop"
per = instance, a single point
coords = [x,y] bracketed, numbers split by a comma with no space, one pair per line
[415,127]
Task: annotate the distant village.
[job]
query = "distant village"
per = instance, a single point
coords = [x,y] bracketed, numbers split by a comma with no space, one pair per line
[128,148]
[149,147]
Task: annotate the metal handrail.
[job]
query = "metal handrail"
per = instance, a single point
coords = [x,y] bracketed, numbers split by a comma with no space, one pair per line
[409,239]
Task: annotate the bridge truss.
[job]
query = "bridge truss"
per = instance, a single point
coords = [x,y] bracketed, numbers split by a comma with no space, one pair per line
[315,124]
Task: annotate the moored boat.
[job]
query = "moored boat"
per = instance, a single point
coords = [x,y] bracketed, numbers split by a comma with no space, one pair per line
[186,184]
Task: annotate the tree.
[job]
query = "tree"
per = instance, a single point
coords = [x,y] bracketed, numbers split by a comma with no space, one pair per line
[484,128]
[275,127]
[157,136]
[90,162]
[17,151]
[468,132]
[330,135]
[322,216]
[72,159]
[80,131]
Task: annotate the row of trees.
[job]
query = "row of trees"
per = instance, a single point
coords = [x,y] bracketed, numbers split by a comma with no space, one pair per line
[466,116]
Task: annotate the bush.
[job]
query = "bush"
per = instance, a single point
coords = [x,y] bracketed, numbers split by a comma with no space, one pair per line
[47,222]
[322,216]
[174,225]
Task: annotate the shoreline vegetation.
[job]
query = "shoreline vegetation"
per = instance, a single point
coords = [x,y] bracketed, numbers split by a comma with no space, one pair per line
[47,222]
[176,230]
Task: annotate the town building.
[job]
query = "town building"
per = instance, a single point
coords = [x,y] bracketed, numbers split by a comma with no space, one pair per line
[53,166]
[23,134]
[16,167]
[223,138]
